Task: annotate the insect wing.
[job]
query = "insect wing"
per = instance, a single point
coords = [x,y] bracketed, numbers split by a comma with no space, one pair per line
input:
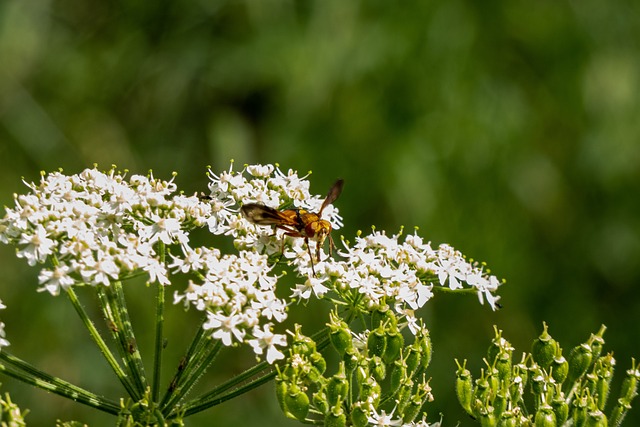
[262,215]
[332,195]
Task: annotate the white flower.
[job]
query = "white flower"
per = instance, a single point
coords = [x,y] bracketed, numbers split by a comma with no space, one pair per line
[383,420]
[39,246]
[264,338]
[54,280]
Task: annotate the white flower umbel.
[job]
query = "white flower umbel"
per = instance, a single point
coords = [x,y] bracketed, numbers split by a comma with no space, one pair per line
[102,228]
[99,227]
[237,293]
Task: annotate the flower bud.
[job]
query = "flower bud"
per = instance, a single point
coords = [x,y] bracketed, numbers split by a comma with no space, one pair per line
[281,391]
[597,342]
[508,419]
[302,344]
[604,370]
[398,375]
[340,336]
[559,369]
[335,417]
[383,316]
[579,361]
[395,343]
[503,367]
[412,360]
[297,402]
[319,400]
[404,395]
[543,349]
[370,390]
[545,417]
[487,418]
[425,346]
[560,409]
[377,368]
[360,414]
[318,362]
[337,387]
[412,410]
[629,388]
[351,358]
[464,387]
[596,419]
[377,342]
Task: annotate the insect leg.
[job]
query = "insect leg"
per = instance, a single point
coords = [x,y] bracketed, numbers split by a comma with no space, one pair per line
[306,242]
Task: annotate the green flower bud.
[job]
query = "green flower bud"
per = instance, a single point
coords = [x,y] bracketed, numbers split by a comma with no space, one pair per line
[297,402]
[319,400]
[302,344]
[335,417]
[629,388]
[398,375]
[351,358]
[427,350]
[383,315]
[545,417]
[395,343]
[560,409]
[281,391]
[619,412]
[543,349]
[487,418]
[500,403]
[464,387]
[559,369]
[370,390]
[604,370]
[337,387]
[377,368]
[318,362]
[412,360]
[412,410]
[503,367]
[596,419]
[404,395]
[579,361]
[360,414]
[377,342]
[340,336]
[597,342]
[508,419]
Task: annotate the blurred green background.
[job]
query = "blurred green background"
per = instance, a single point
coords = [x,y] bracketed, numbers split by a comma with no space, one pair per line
[508,129]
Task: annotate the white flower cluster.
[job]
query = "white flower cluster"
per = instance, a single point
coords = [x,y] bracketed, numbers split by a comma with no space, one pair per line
[381,270]
[269,186]
[237,294]
[96,228]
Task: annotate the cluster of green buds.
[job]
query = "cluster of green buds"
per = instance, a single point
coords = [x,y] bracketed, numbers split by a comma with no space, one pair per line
[378,376]
[570,391]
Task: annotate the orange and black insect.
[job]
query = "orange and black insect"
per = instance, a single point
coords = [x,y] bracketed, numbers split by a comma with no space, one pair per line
[297,222]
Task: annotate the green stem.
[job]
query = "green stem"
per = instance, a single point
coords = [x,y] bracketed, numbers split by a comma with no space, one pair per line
[187,360]
[132,353]
[203,358]
[97,338]
[21,370]
[159,345]
[124,343]
[197,406]
[216,396]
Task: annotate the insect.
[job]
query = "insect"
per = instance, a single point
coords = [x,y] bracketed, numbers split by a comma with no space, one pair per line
[297,222]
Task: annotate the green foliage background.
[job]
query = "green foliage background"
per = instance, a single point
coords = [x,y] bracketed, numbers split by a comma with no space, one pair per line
[509,129]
